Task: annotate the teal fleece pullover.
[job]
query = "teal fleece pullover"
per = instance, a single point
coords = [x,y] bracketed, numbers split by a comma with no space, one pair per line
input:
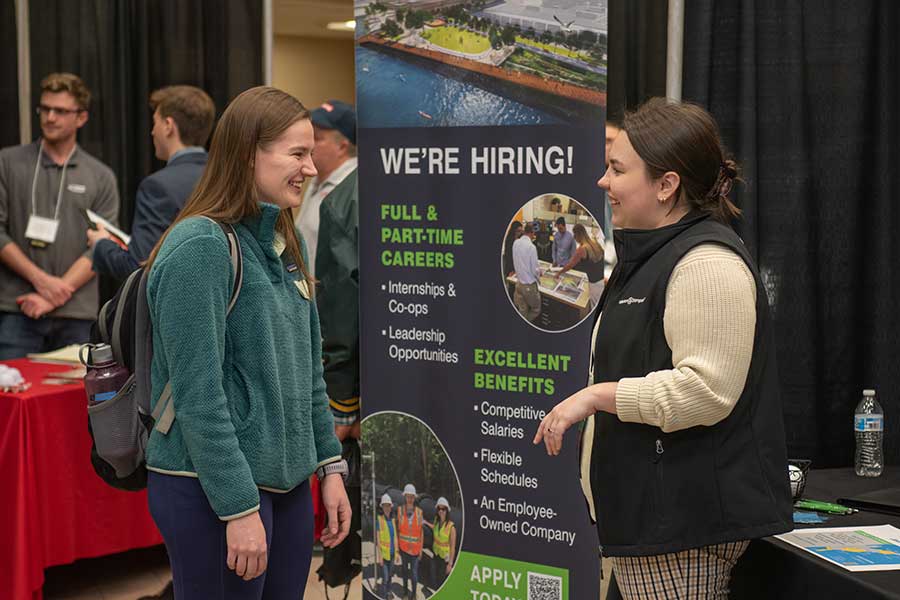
[250,405]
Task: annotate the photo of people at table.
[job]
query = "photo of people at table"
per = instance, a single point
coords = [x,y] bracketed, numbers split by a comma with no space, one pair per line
[552,262]
[412,509]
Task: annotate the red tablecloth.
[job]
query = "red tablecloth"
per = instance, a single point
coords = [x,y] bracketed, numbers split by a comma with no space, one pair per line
[54,509]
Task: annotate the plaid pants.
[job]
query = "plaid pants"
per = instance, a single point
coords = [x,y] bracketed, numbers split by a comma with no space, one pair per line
[696,574]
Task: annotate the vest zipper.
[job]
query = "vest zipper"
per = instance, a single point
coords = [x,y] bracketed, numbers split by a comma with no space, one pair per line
[659,485]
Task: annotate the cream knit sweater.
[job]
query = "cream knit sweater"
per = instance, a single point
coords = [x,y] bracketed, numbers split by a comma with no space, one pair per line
[709,324]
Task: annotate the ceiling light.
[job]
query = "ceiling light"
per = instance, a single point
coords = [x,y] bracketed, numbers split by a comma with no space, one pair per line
[342,26]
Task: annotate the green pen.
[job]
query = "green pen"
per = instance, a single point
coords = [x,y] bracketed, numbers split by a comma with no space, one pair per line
[827,507]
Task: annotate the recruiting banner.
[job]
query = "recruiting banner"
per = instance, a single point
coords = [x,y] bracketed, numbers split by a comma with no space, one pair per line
[480,145]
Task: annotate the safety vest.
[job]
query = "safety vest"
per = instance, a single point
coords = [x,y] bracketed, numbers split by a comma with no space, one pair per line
[410,533]
[442,538]
[384,539]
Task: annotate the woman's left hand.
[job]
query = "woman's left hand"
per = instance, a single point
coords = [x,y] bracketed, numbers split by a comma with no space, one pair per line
[578,406]
[337,507]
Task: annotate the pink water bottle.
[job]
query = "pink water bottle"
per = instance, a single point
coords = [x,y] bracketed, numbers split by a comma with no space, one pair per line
[105,377]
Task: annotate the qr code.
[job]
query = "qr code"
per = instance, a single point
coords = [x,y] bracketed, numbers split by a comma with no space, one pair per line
[544,587]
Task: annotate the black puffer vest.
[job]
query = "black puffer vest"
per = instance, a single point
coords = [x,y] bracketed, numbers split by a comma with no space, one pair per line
[658,492]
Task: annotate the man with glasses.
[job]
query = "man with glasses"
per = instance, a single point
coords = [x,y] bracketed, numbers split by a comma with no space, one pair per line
[48,293]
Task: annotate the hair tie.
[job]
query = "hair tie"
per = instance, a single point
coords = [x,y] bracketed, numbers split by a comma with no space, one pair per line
[724,181]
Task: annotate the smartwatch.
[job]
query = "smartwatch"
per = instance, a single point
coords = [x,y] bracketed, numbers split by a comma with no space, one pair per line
[338,466]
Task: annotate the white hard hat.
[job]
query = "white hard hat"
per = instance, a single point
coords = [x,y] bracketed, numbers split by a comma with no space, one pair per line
[409,489]
[442,502]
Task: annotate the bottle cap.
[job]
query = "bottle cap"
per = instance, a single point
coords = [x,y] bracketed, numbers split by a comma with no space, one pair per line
[101,353]
[868,392]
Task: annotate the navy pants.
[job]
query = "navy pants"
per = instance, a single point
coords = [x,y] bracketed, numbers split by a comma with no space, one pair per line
[387,572]
[438,568]
[21,335]
[410,566]
[195,541]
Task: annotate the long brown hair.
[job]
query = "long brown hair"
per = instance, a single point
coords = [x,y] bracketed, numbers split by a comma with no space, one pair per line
[684,138]
[227,191]
[594,249]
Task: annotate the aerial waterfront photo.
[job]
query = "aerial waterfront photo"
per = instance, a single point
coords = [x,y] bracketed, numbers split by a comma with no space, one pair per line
[426,63]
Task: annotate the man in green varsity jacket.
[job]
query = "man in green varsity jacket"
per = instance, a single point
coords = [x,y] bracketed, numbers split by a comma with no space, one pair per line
[337,257]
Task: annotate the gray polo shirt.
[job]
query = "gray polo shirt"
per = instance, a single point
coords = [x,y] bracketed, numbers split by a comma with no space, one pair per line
[88,184]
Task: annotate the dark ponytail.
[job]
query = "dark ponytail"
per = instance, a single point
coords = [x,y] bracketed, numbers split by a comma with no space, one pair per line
[684,138]
[716,201]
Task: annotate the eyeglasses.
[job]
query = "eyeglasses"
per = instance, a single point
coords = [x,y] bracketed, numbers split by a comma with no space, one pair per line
[43,109]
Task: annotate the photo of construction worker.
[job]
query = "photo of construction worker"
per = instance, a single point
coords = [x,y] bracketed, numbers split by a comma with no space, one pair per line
[387,550]
[444,543]
[410,530]
[410,540]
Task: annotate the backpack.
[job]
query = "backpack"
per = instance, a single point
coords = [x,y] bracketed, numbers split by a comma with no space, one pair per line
[343,562]
[120,427]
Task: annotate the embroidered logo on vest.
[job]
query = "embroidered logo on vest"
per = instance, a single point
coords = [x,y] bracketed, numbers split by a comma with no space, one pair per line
[632,300]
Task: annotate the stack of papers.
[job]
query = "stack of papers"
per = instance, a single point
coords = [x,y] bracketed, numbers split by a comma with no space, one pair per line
[67,355]
[858,549]
[95,218]
[76,374]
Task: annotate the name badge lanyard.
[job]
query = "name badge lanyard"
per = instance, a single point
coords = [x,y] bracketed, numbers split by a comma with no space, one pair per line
[51,225]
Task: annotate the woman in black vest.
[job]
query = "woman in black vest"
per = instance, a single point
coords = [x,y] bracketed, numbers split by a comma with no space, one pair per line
[683,454]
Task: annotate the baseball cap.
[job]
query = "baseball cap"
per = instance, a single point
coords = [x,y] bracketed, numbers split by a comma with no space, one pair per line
[335,114]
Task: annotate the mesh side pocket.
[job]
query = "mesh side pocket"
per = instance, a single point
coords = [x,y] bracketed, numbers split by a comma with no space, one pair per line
[119,436]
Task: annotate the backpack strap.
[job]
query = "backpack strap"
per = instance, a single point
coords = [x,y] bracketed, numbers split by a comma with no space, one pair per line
[346,590]
[101,323]
[164,413]
[143,346]
[237,263]
[116,339]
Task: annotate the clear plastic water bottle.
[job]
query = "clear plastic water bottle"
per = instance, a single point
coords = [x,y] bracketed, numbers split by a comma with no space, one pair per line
[868,426]
[105,377]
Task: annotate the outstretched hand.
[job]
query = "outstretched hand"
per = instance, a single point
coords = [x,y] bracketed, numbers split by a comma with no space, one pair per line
[578,406]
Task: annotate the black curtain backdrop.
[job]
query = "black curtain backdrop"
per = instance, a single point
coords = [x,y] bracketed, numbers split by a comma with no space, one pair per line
[806,94]
[637,54]
[9,86]
[124,49]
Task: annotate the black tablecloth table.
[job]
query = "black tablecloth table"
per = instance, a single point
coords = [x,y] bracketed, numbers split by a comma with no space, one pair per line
[772,569]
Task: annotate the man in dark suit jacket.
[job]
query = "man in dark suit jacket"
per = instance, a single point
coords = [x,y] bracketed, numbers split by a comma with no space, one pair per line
[182,121]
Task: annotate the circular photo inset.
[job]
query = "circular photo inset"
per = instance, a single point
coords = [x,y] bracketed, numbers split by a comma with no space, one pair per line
[552,262]
[412,508]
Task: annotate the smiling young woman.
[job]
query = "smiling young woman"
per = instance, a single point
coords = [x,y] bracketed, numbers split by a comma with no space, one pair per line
[281,167]
[252,420]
